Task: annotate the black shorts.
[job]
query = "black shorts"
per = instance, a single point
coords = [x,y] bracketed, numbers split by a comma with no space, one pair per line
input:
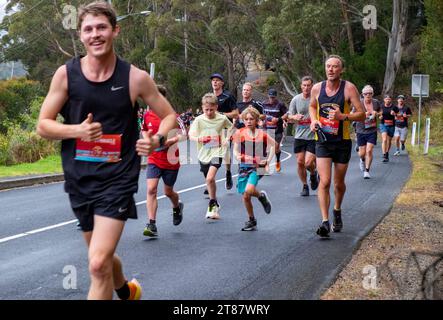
[339,152]
[365,138]
[112,206]
[215,162]
[169,177]
[301,145]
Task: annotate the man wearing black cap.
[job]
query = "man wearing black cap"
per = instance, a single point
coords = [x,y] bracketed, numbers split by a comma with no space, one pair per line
[275,112]
[227,105]
[401,124]
[387,125]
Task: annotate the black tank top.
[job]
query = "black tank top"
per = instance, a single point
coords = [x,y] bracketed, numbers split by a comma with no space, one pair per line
[111,105]
[334,130]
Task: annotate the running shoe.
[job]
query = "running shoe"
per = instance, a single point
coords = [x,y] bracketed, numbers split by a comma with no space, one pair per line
[266,203]
[206,192]
[150,230]
[362,165]
[314,180]
[366,175]
[228,182]
[397,153]
[403,147]
[324,229]
[337,224]
[305,191]
[213,211]
[385,158]
[177,216]
[278,166]
[250,225]
[135,290]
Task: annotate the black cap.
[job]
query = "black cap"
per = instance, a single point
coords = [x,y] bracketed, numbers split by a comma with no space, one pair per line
[272,92]
[217,75]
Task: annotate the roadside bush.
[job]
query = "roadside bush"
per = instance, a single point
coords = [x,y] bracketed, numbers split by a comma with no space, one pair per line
[21,146]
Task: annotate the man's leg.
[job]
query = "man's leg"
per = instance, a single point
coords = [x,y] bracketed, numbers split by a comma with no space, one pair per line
[362,154]
[104,266]
[172,195]
[117,270]
[301,169]
[339,184]
[369,155]
[324,170]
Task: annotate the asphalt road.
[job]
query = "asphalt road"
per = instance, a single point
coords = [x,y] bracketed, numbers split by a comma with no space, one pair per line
[284,259]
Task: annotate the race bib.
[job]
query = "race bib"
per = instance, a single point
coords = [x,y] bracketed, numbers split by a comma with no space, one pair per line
[370,123]
[328,126]
[304,123]
[106,149]
[211,142]
[389,122]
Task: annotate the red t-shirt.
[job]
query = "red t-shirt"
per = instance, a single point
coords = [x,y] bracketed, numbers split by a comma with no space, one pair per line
[168,158]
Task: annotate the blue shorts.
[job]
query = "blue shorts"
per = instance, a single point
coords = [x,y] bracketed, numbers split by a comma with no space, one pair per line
[247,176]
[365,138]
[390,130]
[169,176]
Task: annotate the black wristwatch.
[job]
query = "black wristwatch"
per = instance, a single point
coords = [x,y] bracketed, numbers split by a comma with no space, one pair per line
[161,140]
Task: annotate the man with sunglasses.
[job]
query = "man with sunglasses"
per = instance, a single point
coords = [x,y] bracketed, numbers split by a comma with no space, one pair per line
[330,111]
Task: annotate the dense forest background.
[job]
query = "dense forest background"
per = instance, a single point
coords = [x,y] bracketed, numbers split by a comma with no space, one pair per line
[383,43]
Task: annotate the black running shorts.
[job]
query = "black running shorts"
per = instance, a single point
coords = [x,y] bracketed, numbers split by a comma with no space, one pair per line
[339,152]
[116,207]
[215,162]
[301,145]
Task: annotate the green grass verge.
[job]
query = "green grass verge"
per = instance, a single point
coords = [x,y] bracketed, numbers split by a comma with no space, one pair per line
[51,164]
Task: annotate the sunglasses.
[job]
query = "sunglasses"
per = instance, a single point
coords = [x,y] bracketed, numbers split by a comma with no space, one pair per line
[368,94]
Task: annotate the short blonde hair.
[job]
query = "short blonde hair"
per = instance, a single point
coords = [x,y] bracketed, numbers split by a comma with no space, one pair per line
[250,110]
[210,98]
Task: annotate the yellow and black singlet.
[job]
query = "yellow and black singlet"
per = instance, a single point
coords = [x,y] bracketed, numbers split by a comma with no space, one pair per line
[334,130]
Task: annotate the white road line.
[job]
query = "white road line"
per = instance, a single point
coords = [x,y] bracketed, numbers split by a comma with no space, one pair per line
[28,233]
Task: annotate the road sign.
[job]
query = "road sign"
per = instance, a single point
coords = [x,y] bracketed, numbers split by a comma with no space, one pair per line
[420,84]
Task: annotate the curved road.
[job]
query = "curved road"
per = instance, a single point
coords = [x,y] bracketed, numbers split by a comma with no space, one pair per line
[284,259]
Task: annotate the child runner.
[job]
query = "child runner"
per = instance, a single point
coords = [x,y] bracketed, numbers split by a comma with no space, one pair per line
[162,163]
[208,131]
[254,149]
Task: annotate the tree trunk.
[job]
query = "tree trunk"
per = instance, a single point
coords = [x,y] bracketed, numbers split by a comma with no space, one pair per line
[344,9]
[396,43]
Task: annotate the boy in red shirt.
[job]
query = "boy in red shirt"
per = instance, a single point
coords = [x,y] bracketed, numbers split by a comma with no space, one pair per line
[162,163]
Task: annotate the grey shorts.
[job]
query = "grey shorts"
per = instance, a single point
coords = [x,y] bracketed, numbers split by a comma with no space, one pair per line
[401,132]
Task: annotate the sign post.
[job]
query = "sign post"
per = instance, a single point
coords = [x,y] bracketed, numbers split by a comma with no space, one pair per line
[427,135]
[420,88]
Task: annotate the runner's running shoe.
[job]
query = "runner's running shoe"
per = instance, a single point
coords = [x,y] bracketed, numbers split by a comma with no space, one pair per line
[324,229]
[135,290]
[213,211]
[150,230]
[177,216]
[305,191]
[250,225]
[366,175]
[397,153]
[278,166]
[337,223]
[266,203]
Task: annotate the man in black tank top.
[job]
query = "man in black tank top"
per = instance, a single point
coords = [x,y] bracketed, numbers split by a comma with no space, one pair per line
[96,94]
[330,111]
